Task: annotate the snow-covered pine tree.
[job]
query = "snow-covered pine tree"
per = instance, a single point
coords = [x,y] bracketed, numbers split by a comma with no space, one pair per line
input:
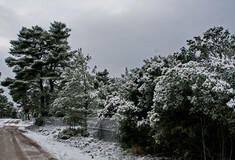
[77,98]
[38,58]
[57,58]
[26,60]
[103,85]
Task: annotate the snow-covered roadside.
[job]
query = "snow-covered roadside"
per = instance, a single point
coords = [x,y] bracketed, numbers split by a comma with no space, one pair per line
[15,122]
[86,146]
[3,121]
[74,148]
[60,150]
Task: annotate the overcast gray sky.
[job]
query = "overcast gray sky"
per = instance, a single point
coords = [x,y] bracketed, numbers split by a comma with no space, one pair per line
[117,33]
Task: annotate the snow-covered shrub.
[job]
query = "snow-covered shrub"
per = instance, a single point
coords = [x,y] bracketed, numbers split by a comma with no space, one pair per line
[193,110]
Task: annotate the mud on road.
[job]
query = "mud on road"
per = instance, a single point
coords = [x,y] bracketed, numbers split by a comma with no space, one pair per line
[16,146]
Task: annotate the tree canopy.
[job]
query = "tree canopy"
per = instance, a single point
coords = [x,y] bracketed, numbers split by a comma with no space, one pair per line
[38,58]
[182,104]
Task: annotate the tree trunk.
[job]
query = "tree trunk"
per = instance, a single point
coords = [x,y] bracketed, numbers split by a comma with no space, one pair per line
[51,86]
[85,116]
[86,102]
[42,98]
[203,141]
[231,149]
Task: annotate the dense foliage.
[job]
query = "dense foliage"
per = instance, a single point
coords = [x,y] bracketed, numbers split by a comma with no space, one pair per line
[38,58]
[182,105]
[77,98]
[194,112]
[6,108]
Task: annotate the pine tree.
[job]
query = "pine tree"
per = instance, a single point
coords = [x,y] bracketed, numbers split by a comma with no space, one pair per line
[77,99]
[58,57]
[27,53]
[102,85]
[38,58]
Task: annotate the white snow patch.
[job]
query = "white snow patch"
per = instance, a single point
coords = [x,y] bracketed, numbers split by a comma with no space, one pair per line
[15,122]
[86,147]
[231,103]
[62,151]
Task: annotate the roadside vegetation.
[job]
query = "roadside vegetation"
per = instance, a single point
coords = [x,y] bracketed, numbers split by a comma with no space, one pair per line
[181,105]
[6,108]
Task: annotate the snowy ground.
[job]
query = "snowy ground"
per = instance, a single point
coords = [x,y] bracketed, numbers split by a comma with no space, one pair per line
[60,150]
[75,148]
[87,146]
[15,122]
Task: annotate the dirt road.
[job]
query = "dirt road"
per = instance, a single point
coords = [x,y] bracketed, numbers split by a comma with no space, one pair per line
[16,146]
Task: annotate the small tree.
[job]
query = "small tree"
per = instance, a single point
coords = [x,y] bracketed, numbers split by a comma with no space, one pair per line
[77,99]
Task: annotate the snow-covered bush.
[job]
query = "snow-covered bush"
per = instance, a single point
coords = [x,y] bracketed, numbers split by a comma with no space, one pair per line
[193,109]
[182,104]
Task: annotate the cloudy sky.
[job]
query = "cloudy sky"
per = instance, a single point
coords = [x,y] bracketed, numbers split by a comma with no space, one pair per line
[117,33]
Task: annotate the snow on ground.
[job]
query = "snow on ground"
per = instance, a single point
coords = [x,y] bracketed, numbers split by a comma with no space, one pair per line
[15,122]
[75,148]
[3,121]
[87,146]
[60,150]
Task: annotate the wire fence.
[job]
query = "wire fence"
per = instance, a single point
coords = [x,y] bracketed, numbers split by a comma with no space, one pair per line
[105,129]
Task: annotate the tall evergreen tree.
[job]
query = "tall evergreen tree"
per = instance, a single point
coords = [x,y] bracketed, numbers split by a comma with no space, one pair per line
[57,58]
[37,58]
[26,60]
